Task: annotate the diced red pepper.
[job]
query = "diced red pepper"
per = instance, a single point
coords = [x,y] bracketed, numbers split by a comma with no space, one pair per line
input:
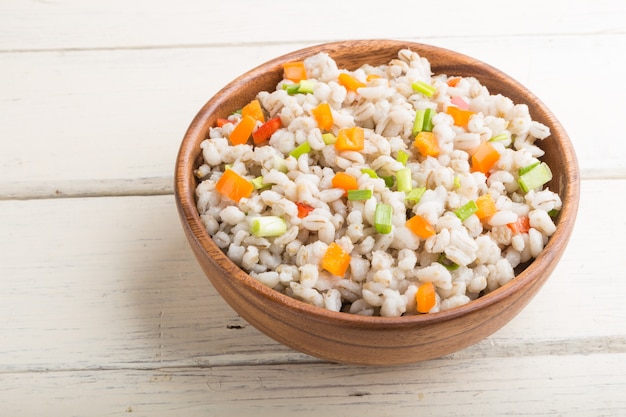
[266,130]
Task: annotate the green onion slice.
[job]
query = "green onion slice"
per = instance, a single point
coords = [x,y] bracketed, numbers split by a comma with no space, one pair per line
[268,226]
[329,138]
[370,172]
[466,210]
[402,157]
[359,195]
[534,176]
[403,180]
[424,88]
[305,147]
[443,260]
[382,218]
[415,194]
[500,137]
[418,122]
[428,120]
[258,183]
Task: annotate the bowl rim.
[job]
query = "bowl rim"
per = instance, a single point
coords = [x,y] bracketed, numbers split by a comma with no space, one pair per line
[190,218]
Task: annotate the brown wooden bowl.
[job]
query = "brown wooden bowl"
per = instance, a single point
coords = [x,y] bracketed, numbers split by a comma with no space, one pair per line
[355,339]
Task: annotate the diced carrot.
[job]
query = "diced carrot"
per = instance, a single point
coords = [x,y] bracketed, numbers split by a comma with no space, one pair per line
[336,260]
[350,139]
[266,130]
[234,186]
[221,122]
[420,227]
[323,116]
[461,116]
[521,225]
[485,157]
[486,206]
[242,131]
[425,297]
[303,209]
[294,71]
[254,110]
[426,143]
[345,182]
[454,81]
[351,83]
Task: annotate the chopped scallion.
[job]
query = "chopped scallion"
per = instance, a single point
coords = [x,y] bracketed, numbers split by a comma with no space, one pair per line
[370,172]
[359,195]
[300,150]
[279,164]
[424,88]
[418,122]
[291,89]
[402,157]
[389,180]
[466,210]
[329,138]
[500,137]
[527,168]
[403,180]
[443,260]
[535,177]
[258,183]
[268,226]
[428,120]
[415,194]
[457,182]
[382,218]
[553,213]
[306,86]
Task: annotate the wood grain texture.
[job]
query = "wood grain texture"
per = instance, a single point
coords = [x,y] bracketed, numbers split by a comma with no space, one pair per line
[104,311]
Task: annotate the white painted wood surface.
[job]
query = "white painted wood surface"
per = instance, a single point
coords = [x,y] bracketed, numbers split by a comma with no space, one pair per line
[103,310]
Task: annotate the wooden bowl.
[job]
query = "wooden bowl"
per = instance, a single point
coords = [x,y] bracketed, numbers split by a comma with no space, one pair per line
[354,339]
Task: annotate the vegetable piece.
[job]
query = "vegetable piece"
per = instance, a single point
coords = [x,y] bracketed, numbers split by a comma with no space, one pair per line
[527,168]
[443,260]
[268,226]
[424,88]
[461,116]
[258,183]
[485,157]
[234,186]
[535,177]
[336,260]
[350,139]
[499,137]
[402,157]
[291,89]
[351,83]
[486,206]
[428,119]
[266,130]
[242,131]
[403,180]
[345,182]
[359,195]
[301,149]
[304,209]
[466,210]
[425,297]
[521,225]
[221,122]
[306,86]
[323,116]
[420,227]
[294,71]
[426,143]
[370,172]
[453,81]
[329,138]
[382,218]
[460,103]
[389,180]
[254,110]
[418,121]
[415,194]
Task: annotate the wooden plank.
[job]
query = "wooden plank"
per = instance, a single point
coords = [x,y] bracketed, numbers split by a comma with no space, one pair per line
[128,110]
[116,274]
[569,385]
[119,24]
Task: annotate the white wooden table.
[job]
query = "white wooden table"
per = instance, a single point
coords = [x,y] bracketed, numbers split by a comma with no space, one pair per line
[104,311]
